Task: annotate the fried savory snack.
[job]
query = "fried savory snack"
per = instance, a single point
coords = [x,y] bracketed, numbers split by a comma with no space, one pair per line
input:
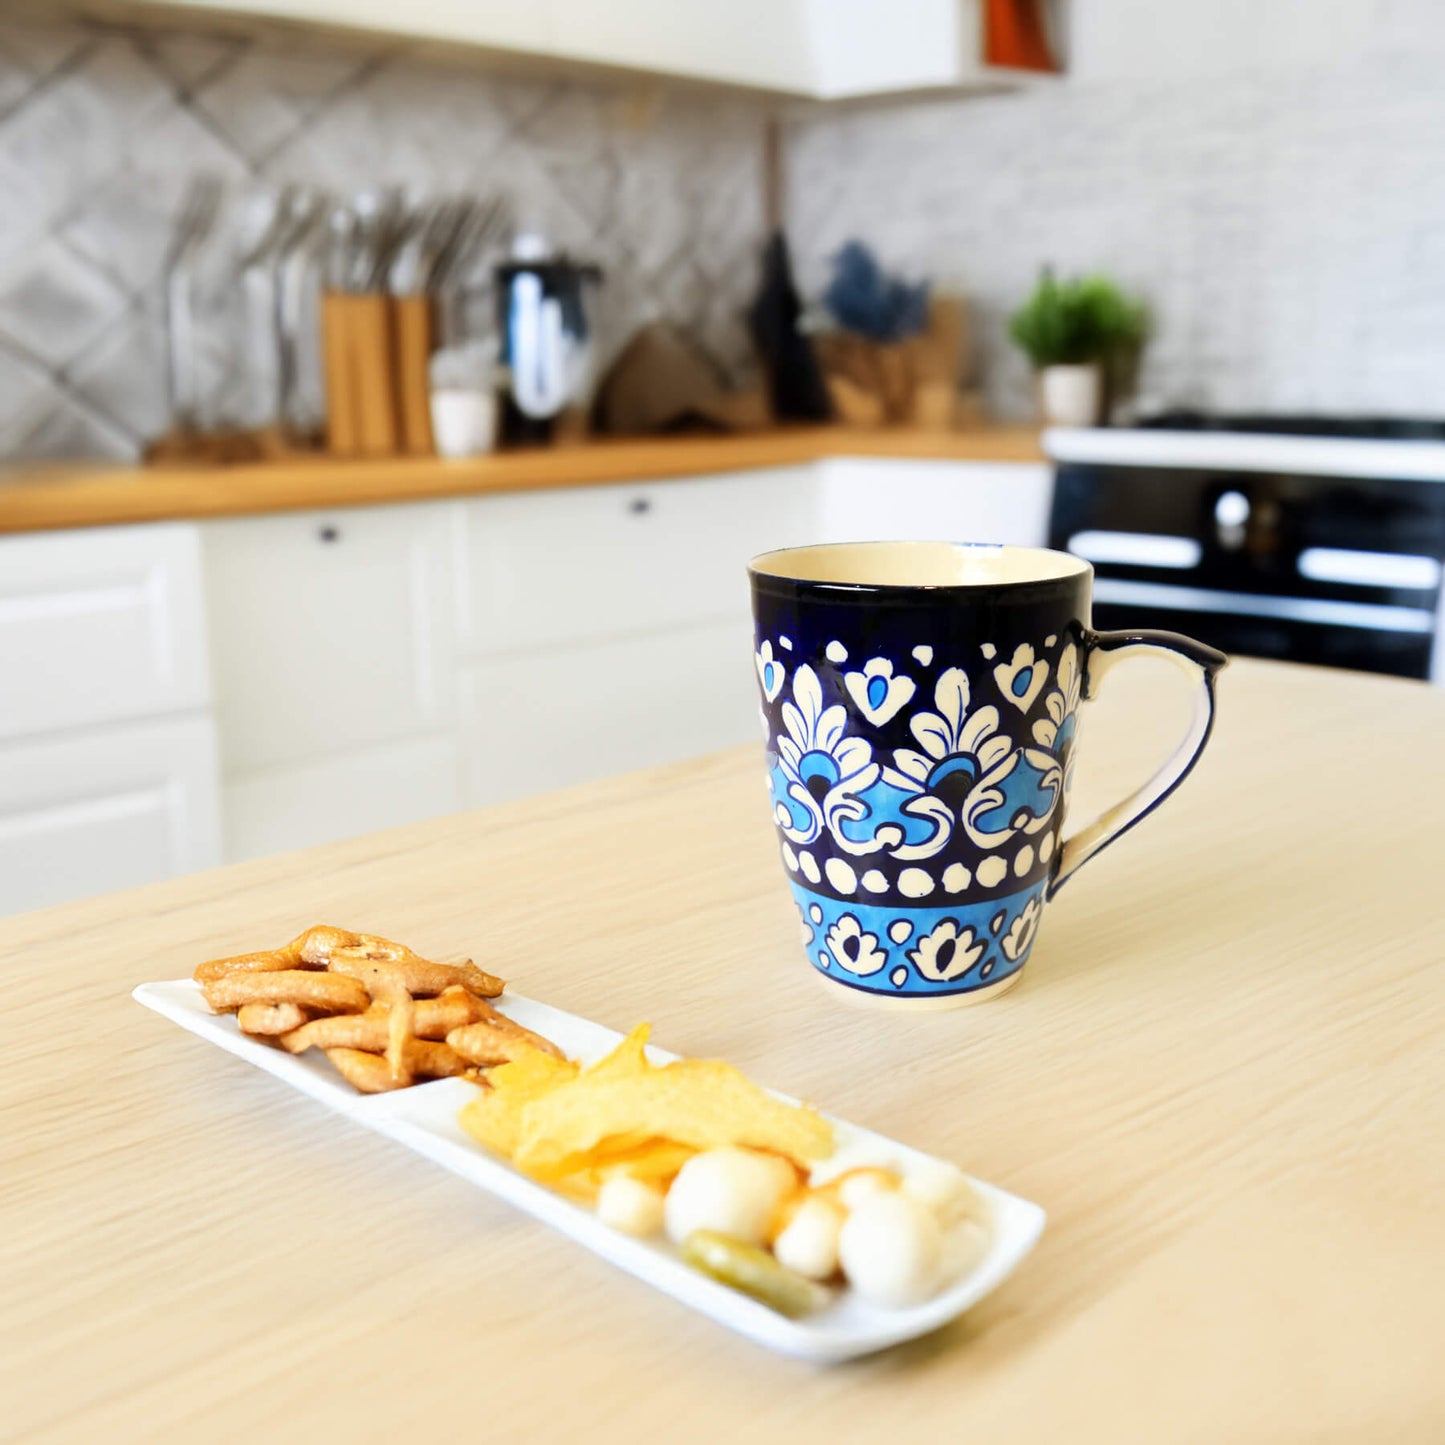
[497,1040]
[372,1074]
[356,954]
[420,977]
[330,992]
[379,1012]
[270,1018]
[432,1018]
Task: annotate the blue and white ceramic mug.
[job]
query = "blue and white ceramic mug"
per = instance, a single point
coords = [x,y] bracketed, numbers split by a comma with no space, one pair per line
[921,702]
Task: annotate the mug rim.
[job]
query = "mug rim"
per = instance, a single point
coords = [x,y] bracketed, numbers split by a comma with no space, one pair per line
[1043,566]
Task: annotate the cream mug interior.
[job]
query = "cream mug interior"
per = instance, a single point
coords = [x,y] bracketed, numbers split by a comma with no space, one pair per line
[921,702]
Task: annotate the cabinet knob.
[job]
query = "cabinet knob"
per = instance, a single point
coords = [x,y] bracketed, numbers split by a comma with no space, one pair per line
[328,533]
[640,506]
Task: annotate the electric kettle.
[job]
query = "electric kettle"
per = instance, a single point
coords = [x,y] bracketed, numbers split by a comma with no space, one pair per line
[546,338]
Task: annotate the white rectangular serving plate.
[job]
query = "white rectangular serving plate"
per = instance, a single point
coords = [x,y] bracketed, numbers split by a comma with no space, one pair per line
[424,1119]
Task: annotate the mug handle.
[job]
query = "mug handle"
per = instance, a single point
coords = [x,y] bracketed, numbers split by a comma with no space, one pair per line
[1104,651]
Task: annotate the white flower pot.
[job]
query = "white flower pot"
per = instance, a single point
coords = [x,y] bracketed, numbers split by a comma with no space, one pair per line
[1071,395]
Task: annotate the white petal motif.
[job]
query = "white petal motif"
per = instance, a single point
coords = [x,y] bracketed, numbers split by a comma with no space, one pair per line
[948,952]
[1021,931]
[950,697]
[829,732]
[771,673]
[853,756]
[853,950]
[910,770]
[1022,679]
[878,694]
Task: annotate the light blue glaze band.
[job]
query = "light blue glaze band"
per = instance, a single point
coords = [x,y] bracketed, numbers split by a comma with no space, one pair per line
[895,951]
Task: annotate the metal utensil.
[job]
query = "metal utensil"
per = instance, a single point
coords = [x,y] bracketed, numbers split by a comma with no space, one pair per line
[296,255]
[197,218]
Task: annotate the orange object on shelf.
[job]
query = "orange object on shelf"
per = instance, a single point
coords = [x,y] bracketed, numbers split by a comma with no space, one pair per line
[1014,36]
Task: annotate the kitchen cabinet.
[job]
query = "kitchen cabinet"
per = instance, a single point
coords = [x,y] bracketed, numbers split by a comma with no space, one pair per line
[812,49]
[902,500]
[521,25]
[608,629]
[279,808]
[551,719]
[332,641]
[545,568]
[107,746]
[99,625]
[107,808]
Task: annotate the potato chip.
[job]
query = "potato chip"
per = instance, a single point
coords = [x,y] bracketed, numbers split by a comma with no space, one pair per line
[627,1059]
[699,1103]
[654,1161]
[494,1118]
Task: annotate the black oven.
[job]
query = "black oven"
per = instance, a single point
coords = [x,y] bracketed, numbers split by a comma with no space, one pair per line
[1272,547]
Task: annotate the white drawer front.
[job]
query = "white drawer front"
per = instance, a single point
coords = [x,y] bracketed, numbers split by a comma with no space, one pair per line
[114,808]
[99,625]
[536,722]
[279,809]
[559,567]
[329,631]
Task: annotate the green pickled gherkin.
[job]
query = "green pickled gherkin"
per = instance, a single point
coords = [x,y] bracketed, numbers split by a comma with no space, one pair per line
[752,1271]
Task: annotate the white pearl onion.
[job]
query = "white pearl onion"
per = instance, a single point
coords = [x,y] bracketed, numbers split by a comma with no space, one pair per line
[809,1243]
[943,1188]
[630,1205]
[733,1191]
[891,1249]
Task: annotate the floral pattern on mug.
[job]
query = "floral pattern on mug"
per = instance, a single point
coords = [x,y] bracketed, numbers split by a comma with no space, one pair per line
[877,692]
[1018,798]
[1021,931]
[824,771]
[959,751]
[1022,679]
[1057,731]
[853,949]
[771,672]
[948,952]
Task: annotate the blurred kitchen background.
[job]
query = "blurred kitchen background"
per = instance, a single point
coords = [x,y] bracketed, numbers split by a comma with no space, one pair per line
[392,396]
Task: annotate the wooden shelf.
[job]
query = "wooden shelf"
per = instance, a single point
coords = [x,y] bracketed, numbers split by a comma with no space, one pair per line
[43,498]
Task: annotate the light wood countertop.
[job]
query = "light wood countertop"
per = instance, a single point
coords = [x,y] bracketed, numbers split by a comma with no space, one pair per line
[44,497]
[1221,1075]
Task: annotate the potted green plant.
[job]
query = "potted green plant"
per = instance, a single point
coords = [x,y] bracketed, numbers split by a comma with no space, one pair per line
[1076,333]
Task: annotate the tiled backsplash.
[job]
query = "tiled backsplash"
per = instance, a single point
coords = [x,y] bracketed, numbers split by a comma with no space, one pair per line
[100,127]
[1287,226]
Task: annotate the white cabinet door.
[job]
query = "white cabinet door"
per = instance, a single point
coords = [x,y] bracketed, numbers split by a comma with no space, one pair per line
[551,718]
[821,49]
[557,568]
[864,47]
[329,632]
[273,810]
[762,43]
[867,499]
[502,24]
[99,625]
[106,809]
